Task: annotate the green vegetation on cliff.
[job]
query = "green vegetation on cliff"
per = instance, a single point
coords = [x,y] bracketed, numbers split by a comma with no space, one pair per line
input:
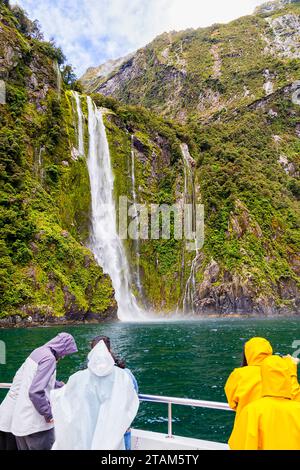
[46,271]
[249,171]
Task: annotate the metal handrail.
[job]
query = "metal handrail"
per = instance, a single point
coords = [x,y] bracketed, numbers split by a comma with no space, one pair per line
[186,402]
[5,385]
[183,402]
[214,405]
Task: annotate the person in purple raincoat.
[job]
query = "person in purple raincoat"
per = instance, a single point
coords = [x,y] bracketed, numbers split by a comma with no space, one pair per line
[26,411]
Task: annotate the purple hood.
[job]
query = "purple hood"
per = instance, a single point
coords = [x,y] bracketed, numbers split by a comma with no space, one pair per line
[63,344]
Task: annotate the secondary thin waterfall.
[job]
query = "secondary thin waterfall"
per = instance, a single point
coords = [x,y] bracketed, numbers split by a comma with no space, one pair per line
[135,215]
[105,241]
[58,77]
[189,198]
[80,124]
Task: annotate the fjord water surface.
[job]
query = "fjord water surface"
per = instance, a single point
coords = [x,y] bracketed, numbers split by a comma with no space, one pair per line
[189,359]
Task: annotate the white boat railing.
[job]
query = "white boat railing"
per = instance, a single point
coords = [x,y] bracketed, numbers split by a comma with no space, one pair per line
[5,385]
[183,402]
[170,401]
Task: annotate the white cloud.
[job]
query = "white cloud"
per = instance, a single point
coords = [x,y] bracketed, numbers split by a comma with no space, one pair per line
[93,31]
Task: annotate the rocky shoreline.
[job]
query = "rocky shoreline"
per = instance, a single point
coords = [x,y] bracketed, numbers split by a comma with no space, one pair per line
[37,320]
[17,322]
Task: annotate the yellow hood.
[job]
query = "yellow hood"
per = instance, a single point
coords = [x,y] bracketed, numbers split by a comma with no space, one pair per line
[256,350]
[276,378]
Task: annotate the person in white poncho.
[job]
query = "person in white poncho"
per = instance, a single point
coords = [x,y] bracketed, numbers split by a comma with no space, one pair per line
[96,407]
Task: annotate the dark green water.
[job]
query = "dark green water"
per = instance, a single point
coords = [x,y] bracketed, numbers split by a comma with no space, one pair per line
[180,359]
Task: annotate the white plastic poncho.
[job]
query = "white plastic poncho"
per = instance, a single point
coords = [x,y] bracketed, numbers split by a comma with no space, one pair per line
[96,407]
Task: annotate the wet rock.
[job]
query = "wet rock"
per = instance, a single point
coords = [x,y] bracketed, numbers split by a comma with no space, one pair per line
[272,113]
[139,145]
[34,82]
[235,294]
[288,289]
[74,154]
[288,166]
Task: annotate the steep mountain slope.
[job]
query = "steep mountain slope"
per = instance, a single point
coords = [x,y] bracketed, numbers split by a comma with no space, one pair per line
[200,73]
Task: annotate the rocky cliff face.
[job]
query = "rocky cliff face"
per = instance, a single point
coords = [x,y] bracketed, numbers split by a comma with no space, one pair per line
[272,6]
[96,75]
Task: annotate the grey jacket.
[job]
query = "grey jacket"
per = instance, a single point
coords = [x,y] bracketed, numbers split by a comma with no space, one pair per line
[46,358]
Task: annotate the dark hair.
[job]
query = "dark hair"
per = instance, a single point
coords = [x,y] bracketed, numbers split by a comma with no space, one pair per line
[244,361]
[119,362]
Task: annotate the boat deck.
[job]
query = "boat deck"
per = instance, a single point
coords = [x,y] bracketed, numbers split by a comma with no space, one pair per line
[145,440]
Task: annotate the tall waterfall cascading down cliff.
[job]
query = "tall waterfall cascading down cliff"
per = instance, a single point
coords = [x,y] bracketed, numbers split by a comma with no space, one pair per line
[104,239]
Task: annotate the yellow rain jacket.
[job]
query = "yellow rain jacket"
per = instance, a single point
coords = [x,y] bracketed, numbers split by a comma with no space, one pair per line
[293,366]
[272,422]
[244,384]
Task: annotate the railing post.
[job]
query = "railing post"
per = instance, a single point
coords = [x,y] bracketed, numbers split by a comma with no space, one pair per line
[170,430]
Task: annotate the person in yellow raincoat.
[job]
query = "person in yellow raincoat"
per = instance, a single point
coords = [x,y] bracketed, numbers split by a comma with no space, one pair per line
[244,384]
[273,421]
[293,366]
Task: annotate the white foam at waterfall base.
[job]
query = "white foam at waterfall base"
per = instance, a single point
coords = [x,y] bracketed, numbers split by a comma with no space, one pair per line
[104,239]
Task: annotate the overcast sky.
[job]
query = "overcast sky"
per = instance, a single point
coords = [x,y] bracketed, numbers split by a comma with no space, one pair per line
[93,31]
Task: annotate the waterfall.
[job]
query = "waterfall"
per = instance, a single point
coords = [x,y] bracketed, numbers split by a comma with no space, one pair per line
[189,198]
[38,159]
[80,124]
[135,215]
[58,77]
[190,288]
[104,240]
